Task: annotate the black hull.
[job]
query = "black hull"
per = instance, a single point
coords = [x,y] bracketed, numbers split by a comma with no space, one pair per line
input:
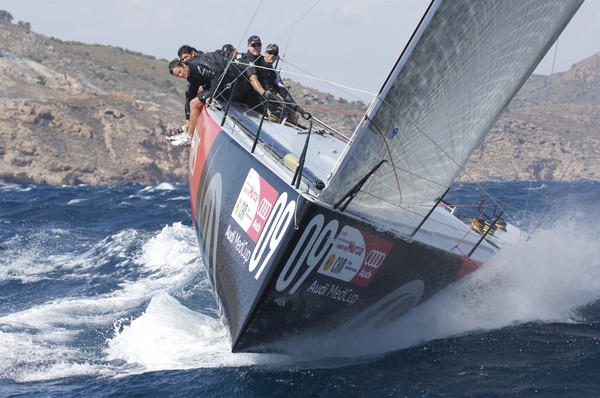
[283,265]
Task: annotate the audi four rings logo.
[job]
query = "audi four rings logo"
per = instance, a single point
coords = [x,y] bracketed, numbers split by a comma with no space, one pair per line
[264,208]
[375,258]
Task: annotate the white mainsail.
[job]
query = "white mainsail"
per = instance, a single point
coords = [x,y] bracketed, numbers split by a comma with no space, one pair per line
[464,64]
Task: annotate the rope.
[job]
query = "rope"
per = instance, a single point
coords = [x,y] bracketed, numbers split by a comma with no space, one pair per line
[299,19]
[245,34]
[546,207]
[390,156]
[549,204]
[461,240]
[346,90]
[310,76]
[334,110]
[460,167]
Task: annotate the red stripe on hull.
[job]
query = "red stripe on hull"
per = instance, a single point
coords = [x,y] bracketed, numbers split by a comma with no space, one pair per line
[204,136]
[467,266]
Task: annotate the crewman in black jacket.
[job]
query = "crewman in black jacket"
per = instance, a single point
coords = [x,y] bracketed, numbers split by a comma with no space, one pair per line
[203,74]
[270,79]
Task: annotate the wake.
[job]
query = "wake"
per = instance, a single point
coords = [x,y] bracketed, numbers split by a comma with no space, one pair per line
[159,313]
[548,278]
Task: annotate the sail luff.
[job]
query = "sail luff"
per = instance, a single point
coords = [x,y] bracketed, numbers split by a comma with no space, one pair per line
[461,69]
[376,103]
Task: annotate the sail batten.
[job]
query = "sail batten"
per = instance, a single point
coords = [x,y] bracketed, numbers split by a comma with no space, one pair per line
[462,67]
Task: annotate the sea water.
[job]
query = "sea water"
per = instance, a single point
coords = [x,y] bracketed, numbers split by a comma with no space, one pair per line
[103,294]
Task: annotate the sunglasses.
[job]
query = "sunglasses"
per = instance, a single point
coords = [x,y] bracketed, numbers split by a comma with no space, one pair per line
[275,53]
[256,45]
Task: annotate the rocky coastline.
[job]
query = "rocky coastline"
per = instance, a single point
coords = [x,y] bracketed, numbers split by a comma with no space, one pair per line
[72,113]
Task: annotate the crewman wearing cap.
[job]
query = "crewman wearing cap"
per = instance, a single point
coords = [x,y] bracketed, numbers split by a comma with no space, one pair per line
[251,92]
[270,79]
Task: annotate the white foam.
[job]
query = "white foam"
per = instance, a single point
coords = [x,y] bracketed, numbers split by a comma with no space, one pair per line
[179,199]
[163,186]
[169,336]
[169,251]
[28,260]
[42,336]
[15,188]
[75,201]
[545,279]
[30,357]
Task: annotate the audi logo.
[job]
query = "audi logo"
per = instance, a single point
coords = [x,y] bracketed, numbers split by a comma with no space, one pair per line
[264,208]
[374,259]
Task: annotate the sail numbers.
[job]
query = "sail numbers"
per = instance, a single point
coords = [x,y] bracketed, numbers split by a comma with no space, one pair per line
[341,252]
[273,232]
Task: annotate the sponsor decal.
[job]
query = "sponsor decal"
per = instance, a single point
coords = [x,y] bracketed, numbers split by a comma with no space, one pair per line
[254,204]
[276,227]
[333,291]
[350,255]
[240,245]
[355,256]
[262,218]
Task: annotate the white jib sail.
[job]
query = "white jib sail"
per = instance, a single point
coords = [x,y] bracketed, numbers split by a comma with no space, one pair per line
[464,64]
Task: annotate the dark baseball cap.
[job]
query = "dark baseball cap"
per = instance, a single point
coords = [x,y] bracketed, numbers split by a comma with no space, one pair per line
[272,47]
[254,39]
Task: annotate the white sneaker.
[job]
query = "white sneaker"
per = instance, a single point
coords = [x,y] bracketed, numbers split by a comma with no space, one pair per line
[183,141]
[176,137]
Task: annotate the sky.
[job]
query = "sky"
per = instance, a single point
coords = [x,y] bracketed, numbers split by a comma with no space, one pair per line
[353,43]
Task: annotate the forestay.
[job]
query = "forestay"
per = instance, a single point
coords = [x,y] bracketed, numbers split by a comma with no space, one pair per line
[465,62]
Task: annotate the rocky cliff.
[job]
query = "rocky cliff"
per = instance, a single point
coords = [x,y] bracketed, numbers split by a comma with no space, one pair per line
[550,131]
[88,114]
[72,114]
